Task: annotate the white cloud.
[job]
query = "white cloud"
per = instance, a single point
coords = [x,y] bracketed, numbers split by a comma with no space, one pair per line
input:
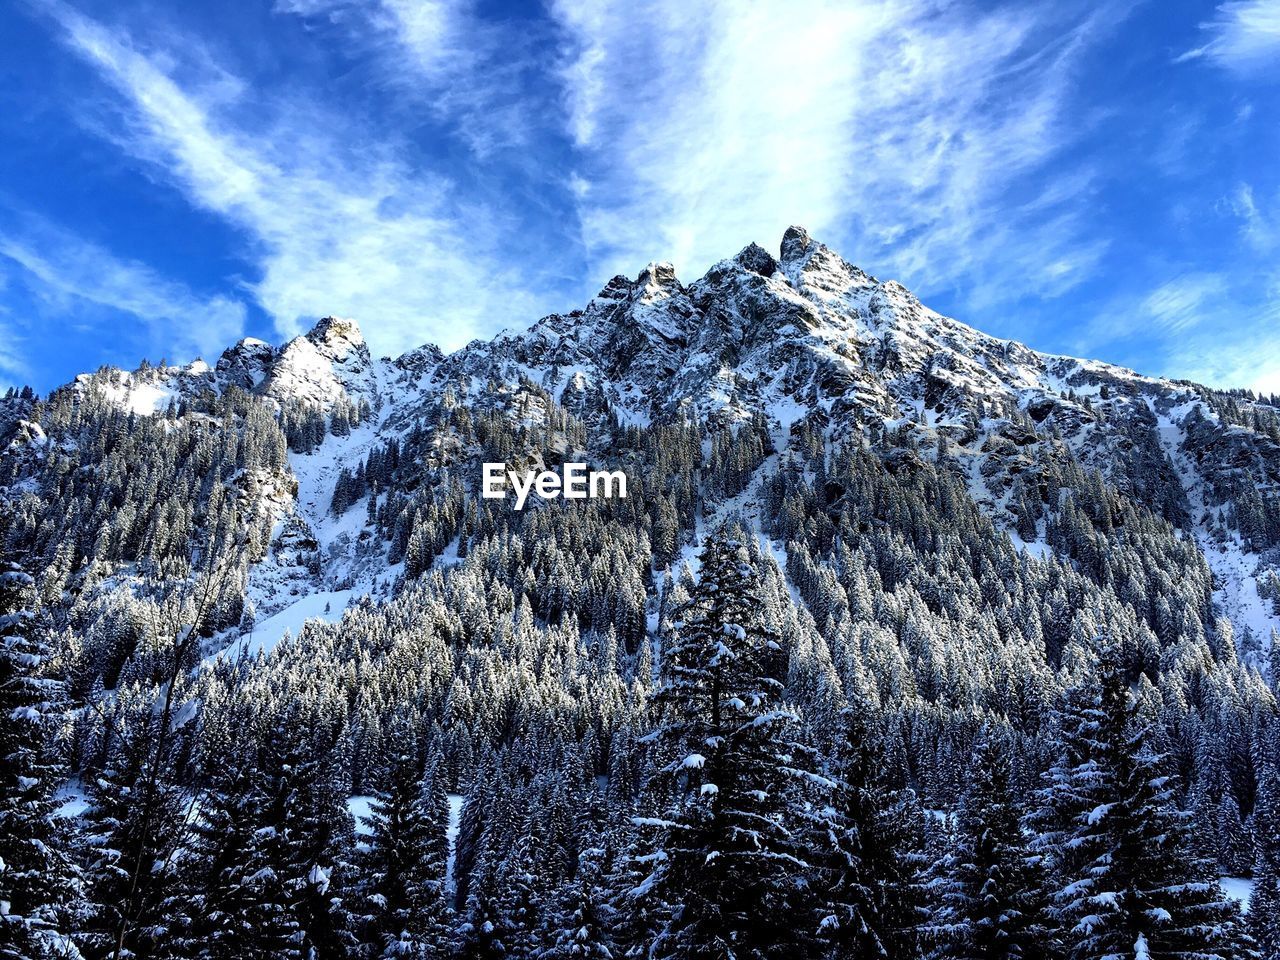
[1213,328]
[429,31]
[441,56]
[910,134]
[924,139]
[14,369]
[1245,35]
[1250,358]
[339,222]
[1259,227]
[1181,302]
[69,274]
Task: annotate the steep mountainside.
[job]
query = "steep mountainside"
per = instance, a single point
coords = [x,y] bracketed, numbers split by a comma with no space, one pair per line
[806,337]
[294,674]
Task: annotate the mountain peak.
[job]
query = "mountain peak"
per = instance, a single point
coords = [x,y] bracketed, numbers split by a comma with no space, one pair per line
[658,275]
[755,258]
[332,330]
[796,243]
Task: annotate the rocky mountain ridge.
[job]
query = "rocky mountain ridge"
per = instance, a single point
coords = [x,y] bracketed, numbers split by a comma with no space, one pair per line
[268,590]
[805,338]
[804,335]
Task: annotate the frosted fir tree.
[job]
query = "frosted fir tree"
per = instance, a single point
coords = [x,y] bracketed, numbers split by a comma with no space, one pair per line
[1264,905]
[1273,652]
[1131,877]
[472,821]
[584,927]
[131,829]
[266,868]
[1067,793]
[483,933]
[990,889]
[636,919]
[38,881]
[726,860]
[231,900]
[521,893]
[314,834]
[863,851]
[402,871]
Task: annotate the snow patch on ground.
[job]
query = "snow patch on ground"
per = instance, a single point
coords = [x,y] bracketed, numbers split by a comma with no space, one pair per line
[147,398]
[779,553]
[317,475]
[1239,889]
[451,833]
[128,393]
[71,800]
[359,807]
[1234,569]
[325,606]
[1236,573]
[1036,548]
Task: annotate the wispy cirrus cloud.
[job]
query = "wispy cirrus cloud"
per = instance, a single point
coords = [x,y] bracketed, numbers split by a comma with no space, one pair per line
[1162,313]
[1180,303]
[1212,327]
[77,277]
[1249,359]
[1259,225]
[910,134]
[474,75]
[14,368]
[441,169]
[337,222]
[1244,36]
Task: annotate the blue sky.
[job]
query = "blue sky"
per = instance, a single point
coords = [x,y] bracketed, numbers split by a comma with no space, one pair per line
[1095,179]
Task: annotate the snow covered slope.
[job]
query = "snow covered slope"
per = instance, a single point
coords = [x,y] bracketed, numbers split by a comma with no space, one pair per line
[803,338]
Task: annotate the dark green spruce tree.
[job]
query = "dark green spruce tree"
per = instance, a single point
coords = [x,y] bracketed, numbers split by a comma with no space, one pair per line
[1128,883]
[231,900]
[38,881]
[990,890]
[402,869]
[861,844]
[584,926]
[134,824]
[1264,905]
[727,864]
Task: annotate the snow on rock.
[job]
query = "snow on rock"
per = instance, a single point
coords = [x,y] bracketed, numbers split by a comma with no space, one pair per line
[27,433]
[800,338]
[329,363]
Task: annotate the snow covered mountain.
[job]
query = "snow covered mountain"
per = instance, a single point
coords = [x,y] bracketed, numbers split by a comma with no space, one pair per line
[804,337]
[270,592]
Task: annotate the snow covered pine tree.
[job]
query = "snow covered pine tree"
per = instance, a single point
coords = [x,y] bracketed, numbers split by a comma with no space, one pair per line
[726,862]
[38,882]
[1126,882]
